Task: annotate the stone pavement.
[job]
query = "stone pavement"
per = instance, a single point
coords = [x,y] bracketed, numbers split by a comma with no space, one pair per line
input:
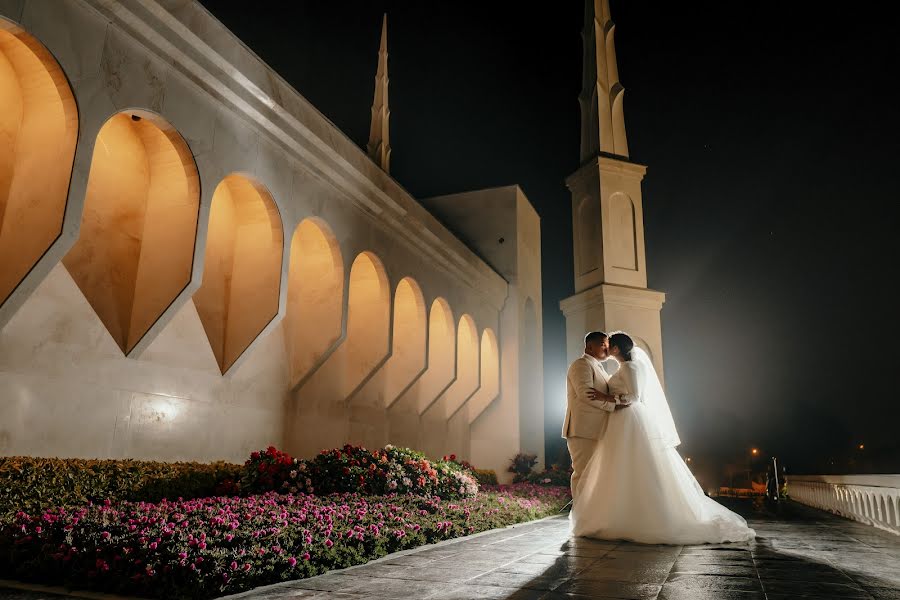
[800,553]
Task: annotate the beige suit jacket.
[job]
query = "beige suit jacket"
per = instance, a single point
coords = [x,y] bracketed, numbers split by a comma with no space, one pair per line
[586,418]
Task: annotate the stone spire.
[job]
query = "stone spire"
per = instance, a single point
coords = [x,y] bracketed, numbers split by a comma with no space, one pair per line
[602,116]
[379,145]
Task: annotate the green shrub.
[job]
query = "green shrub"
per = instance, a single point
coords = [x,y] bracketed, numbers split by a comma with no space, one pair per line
[521,465]
[556,475]
[32,485]
[485,476]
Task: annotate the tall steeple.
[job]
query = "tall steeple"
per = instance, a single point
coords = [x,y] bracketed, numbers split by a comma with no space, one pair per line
[379,145]
[602,115]
[608,209]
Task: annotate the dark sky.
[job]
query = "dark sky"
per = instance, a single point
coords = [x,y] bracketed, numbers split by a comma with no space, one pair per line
[771,138]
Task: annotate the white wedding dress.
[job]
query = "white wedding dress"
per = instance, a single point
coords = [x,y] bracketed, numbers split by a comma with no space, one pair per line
[636,486]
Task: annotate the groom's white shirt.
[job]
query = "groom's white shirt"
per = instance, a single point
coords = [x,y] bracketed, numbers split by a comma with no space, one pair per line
[586,418]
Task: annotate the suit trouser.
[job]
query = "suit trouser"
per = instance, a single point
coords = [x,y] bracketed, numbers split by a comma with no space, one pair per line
[581,450]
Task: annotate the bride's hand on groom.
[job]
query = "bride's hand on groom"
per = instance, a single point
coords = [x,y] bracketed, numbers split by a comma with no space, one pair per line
[594,394]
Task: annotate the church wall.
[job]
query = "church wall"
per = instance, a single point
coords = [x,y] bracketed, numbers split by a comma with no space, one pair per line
[69,389]
[503,227]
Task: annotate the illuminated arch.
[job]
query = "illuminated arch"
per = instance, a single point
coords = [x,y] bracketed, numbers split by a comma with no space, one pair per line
[490,376]
[315,296]
[466,382]
[135,248]
[38,133]
[242,272]
[408,343]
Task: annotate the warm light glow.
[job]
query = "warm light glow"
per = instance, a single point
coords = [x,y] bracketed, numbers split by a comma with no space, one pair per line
[688,459]
[440,362]
[135,248]
[410,324]
[467,366]
[862,446]
[754,452]
[315,294]
[368,316]
[38,131]
[490,377]
[242,271]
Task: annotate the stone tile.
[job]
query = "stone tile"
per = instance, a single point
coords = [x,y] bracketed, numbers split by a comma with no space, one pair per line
[880,593]
[456,576]
[813,589]
[555,569]
[632,575]
[519,581]
[610,589]
[481,592]
[715,582]
[718,570]
[804,573]
[670,592]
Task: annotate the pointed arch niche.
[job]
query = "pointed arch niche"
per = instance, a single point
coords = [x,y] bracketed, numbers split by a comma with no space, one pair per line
[136,244]
[315,296]
[490,376]
[38,133]
[368,319]
[408,357]
[242,272]
[466,382]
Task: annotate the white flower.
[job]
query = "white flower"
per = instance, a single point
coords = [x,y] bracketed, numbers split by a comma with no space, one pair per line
[294,474]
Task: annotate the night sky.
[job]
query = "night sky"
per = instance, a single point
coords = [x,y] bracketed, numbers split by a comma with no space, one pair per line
[772,138]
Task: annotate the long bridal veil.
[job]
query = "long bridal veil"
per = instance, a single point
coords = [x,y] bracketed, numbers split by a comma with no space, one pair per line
[663,430]
[636,486]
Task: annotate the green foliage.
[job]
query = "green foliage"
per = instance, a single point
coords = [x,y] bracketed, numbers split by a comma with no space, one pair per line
[521,465]
[34,484]
[485,476]
[554,476]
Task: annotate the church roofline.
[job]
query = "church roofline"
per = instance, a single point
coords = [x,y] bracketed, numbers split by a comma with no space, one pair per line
[195,45]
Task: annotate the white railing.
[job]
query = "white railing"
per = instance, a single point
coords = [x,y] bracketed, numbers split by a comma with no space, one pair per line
[870,499]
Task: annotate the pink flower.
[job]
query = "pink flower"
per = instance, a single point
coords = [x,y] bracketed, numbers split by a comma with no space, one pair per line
[247,566]
[153,545]
[292,561]
[329,543]
[104,535]
[233,565]
[305,556]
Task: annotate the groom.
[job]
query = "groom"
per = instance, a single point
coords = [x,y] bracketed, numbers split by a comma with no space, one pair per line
[588,403]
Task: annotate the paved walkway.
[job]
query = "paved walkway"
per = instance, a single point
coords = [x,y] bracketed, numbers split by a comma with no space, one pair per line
[800,553]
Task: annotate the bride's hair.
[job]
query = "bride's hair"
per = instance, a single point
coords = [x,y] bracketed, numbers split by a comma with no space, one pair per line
[623,342]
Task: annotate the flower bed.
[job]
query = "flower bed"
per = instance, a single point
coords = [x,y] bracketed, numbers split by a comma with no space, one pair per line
[355,469]
[212,546]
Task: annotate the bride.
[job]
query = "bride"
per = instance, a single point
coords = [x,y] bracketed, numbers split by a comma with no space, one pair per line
[636,486]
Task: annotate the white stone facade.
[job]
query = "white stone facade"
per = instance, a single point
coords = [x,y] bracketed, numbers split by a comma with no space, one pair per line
[224,269]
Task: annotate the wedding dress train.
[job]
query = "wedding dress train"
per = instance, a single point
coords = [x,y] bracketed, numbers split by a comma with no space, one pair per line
[636,486]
